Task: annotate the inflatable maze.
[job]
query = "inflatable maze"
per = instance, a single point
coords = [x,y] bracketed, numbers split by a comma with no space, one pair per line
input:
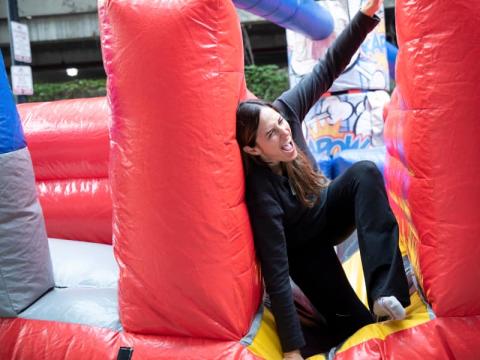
[125,235]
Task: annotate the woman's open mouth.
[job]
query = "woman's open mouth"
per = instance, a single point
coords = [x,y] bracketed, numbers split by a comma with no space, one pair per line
[288,147]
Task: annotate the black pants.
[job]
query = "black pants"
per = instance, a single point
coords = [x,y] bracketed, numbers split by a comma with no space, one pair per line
[355,199]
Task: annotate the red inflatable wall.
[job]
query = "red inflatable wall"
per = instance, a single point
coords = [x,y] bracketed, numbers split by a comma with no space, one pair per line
[181,231]
[432,131]
[68,139]
[23,339]
[77,209]
[68,142]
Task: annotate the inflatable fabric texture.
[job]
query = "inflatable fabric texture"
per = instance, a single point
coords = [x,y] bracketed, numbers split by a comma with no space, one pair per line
[181,231]
[11,133]
[79,318]
[77,209]
[83,264]
[68,139]
[307,17]
[69,143]
[433,165]
[36,339]
[25,265]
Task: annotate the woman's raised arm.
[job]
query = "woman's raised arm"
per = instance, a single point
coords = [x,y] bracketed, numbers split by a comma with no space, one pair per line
[303,96]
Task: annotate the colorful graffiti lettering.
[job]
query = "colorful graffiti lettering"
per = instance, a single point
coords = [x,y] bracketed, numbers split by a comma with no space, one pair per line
[331,145]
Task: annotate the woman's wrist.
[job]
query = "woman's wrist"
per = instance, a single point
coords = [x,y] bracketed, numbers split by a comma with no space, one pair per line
[371,7]
[368,13]
[292,355]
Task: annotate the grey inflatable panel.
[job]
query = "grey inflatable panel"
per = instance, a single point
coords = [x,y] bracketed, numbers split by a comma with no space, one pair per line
[87,306]
[83,264]
[25,265]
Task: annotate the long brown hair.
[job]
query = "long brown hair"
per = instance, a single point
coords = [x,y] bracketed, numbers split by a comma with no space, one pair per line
[305,181]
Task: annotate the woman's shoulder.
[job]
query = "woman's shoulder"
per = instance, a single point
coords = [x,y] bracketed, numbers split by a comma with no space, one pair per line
[261,194]
[260,183]
[258,176]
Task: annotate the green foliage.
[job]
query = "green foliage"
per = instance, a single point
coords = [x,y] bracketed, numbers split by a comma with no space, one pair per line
[68,90]
[267,81]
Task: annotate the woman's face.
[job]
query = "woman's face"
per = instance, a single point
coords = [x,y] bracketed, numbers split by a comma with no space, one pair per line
[274,138]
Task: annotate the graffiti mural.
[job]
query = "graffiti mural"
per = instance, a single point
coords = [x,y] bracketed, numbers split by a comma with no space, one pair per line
[368,69]
[350,115]
[347,121]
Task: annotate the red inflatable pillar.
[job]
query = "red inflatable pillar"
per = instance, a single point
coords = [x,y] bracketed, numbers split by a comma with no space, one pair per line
[181,231]
[432,134]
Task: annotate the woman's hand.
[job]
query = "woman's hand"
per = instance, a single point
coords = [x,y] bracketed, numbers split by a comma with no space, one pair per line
[371,7]
[292,355]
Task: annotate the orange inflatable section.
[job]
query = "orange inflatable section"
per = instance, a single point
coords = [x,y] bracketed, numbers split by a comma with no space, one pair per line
[181,231]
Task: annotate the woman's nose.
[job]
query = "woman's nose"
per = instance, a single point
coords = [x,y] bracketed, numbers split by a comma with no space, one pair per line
[285,130]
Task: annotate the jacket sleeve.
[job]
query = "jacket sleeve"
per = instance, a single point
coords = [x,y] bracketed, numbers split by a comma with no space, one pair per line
[267,223]
[303,96]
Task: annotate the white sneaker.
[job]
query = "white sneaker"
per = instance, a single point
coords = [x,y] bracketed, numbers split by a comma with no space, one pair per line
[390,307]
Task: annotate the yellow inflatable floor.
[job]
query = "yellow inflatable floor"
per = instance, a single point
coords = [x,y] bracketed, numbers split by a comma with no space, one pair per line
[267,345]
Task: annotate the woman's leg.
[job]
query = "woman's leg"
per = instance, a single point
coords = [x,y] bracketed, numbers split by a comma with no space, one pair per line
[357,198]
[319,273]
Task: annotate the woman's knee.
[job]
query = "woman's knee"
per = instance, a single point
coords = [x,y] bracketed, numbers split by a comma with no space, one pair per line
[366,168]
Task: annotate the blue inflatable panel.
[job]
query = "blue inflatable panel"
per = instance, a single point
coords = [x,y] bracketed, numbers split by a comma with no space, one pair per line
[392,52]
[306,17]
[344,159]
[11,132]
[260,8]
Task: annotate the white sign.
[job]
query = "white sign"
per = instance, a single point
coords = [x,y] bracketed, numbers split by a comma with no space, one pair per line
[22,83]
[21,42]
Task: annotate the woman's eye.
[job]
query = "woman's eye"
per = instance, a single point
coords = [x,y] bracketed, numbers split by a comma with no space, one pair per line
[280,121]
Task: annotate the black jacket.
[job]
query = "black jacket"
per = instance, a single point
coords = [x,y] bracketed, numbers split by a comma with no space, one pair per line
[280,222]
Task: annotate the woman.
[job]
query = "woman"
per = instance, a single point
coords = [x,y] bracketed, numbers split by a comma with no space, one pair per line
[297,216]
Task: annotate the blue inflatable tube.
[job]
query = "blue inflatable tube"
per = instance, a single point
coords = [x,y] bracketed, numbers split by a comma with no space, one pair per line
[392,52]
[303,16]
[11,132]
